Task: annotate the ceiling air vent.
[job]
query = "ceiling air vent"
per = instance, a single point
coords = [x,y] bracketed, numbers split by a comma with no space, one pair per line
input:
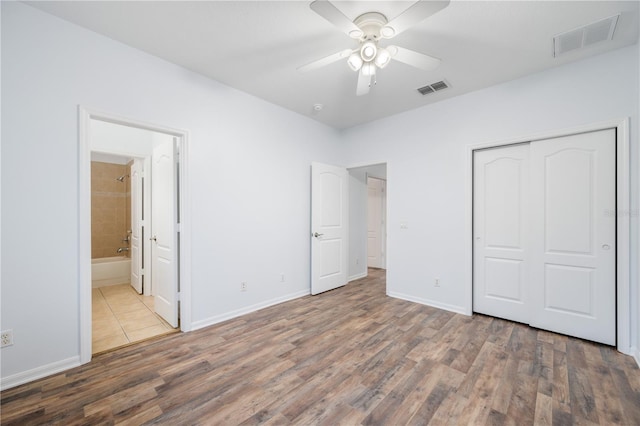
[587,35]
[433,87]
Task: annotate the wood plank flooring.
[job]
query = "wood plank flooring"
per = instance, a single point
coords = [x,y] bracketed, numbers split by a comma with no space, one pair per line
[346,357]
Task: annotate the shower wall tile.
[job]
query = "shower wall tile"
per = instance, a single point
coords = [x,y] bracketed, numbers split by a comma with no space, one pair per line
[110,208]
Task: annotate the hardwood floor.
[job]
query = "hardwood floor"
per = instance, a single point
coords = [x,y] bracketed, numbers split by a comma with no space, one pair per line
[350,356]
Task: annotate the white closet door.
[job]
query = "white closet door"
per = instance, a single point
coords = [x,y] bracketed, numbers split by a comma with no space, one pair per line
[501,181]
[573,244]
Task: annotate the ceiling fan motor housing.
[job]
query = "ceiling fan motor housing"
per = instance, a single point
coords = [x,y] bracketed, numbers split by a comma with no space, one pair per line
[370,23]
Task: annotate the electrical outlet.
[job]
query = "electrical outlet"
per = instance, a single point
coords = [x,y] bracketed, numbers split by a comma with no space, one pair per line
[357,261]
[437,283]
[7,338]
[281,278]
[243,286]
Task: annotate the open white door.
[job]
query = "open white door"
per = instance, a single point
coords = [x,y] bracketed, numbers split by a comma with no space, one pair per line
[329,227]
[136,225]
[164,276]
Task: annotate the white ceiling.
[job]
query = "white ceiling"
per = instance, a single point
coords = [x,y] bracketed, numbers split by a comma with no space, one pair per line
[256,46]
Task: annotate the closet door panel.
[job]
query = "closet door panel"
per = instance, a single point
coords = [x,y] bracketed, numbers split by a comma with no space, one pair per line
[573,235]
[500,217]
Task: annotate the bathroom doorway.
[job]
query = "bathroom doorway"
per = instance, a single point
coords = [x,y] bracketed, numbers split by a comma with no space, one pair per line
[121,312]
[134,177]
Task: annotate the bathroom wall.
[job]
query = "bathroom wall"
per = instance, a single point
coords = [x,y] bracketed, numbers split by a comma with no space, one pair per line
[110,211]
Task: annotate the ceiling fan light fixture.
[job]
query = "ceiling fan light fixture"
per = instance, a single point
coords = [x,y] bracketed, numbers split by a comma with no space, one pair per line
[368,51]
[355,34]
[355,61]
[387,31]
[382,58]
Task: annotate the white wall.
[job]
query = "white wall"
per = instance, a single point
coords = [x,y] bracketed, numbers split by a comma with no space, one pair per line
[249,168]
[635,212]
[105,137]
[426,163]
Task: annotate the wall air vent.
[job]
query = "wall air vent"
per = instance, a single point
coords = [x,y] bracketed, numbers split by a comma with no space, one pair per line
[433,87]
[587,35]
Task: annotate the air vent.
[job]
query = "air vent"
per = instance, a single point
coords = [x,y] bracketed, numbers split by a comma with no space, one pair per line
[433,87]
[587,35]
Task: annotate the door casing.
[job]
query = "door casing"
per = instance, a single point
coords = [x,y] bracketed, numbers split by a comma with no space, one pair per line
[623,293]
[85,115]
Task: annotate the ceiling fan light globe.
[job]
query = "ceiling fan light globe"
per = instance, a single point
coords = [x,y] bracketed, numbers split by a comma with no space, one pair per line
[387,32]
[354,61]
[368,51]
[382,58]
[355,34]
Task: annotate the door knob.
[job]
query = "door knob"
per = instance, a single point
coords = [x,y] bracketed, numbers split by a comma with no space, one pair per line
[606,247]
[315,234]
[154,239]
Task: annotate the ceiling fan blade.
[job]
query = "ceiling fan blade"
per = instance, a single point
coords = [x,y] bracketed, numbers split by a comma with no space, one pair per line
[325,61]
[328,11]
[413,58]
[418,12]
[364,83]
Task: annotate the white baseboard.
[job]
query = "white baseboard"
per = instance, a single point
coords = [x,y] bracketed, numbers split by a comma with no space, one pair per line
[432,303]
[38,372]
[357,276]
[635,353]
[243,311]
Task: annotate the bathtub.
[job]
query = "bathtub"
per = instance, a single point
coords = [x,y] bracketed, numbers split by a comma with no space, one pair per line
[110,270]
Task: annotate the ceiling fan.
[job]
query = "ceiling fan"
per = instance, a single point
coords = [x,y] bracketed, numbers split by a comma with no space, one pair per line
[369,28]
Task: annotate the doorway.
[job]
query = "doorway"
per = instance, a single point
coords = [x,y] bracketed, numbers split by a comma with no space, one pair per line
[367,219]
[124,306]
[141,301]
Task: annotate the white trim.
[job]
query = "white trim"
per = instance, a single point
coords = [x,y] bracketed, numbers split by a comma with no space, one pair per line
[196,325]
[428,302]
[368,164]
[84,234]
[357,276]
[38,372]
[622,196]
[635,353]
[84,219]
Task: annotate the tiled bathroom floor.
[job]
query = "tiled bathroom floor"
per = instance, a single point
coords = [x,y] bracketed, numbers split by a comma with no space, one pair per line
[122,316]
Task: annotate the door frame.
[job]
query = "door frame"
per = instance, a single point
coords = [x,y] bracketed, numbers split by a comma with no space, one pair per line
[623,291]
[85,115]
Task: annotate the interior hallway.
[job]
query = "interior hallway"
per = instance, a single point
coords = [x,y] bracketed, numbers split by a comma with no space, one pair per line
[121,316]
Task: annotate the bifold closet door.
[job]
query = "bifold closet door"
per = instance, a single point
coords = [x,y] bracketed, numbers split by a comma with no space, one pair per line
[500,193]
[573,244]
